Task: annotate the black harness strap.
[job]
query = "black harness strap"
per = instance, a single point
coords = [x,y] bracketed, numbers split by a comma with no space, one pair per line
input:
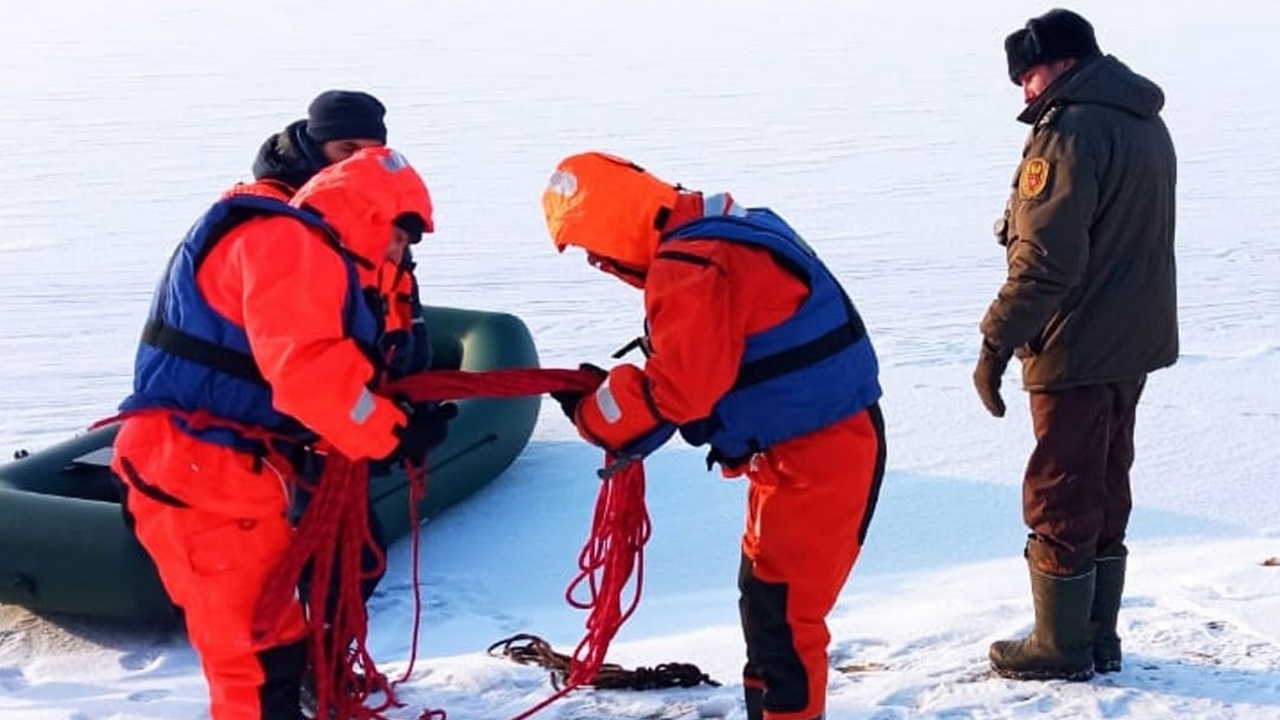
[814,351]
[684,257]
[136,482]
[198,350]
[781,363]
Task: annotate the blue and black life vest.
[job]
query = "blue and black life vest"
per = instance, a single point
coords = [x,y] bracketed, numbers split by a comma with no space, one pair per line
[191,358]
[809,371]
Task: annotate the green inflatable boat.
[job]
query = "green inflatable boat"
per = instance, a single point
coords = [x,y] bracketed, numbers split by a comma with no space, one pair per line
[64,547]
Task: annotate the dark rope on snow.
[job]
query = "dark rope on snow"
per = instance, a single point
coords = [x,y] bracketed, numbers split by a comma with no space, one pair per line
[529,649]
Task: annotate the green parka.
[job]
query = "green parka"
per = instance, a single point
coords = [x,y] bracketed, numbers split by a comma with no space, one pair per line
[1089,232]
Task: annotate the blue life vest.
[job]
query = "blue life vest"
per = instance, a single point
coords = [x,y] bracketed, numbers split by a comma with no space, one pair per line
[809,371]
[191,358]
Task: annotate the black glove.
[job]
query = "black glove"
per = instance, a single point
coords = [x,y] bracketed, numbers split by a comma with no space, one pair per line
[394,347]
[426,429]
[569,399]
[992,362]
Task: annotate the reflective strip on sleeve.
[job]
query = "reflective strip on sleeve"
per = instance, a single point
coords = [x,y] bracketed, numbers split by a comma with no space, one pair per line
[608,404]
[363,408]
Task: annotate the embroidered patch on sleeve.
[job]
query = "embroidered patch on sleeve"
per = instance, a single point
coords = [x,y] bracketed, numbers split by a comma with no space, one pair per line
[1034,177]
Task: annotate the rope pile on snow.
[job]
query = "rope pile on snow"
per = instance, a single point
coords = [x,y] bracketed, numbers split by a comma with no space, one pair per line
[529,649]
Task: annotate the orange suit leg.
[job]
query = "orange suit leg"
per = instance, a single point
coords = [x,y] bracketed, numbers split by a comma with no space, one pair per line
[808,508]
[214,563]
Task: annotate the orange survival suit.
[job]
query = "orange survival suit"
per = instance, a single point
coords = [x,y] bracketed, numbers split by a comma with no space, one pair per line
[812,450]
[404,344]
[211,502]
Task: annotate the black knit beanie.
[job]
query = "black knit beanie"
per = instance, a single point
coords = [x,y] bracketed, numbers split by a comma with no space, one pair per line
[1055,35]
[346,115]
[413,224]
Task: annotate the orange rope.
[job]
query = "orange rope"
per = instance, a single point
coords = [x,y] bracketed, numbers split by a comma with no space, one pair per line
[457,384]
[620,525]
[619,530]
[334,528]
[335,531]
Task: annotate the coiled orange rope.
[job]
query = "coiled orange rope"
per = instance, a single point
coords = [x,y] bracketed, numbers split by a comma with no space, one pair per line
[335,531]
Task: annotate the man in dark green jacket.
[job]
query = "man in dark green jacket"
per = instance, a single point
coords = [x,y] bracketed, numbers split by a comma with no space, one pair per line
[1090,308]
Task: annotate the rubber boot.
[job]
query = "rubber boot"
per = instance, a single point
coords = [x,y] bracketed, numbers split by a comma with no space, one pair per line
[1106,609]
[1059,648]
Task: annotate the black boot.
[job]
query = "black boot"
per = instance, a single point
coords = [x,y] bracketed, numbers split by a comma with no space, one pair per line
[755,702]
[1059,647]
[282,668]
[308,699]
[309,696]
[1106,608]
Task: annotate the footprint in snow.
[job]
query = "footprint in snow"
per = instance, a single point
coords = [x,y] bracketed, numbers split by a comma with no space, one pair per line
[12,679]
[147,696]
[139,660]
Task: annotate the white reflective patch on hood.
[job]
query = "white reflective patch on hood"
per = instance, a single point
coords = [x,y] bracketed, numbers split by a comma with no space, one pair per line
[562,183]
[394,161]
[722,204]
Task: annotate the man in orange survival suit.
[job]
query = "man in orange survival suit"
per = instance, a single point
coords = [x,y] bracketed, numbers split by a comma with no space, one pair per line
[260,322]
[339,123]
[754,349]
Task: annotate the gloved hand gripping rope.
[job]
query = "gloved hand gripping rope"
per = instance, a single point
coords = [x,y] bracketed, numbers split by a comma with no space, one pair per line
[335,532]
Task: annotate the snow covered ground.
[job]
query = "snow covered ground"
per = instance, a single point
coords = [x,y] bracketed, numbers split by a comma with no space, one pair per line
[883,131]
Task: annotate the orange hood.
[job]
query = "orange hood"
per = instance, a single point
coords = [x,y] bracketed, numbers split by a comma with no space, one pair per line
[361,196]
[609,206]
